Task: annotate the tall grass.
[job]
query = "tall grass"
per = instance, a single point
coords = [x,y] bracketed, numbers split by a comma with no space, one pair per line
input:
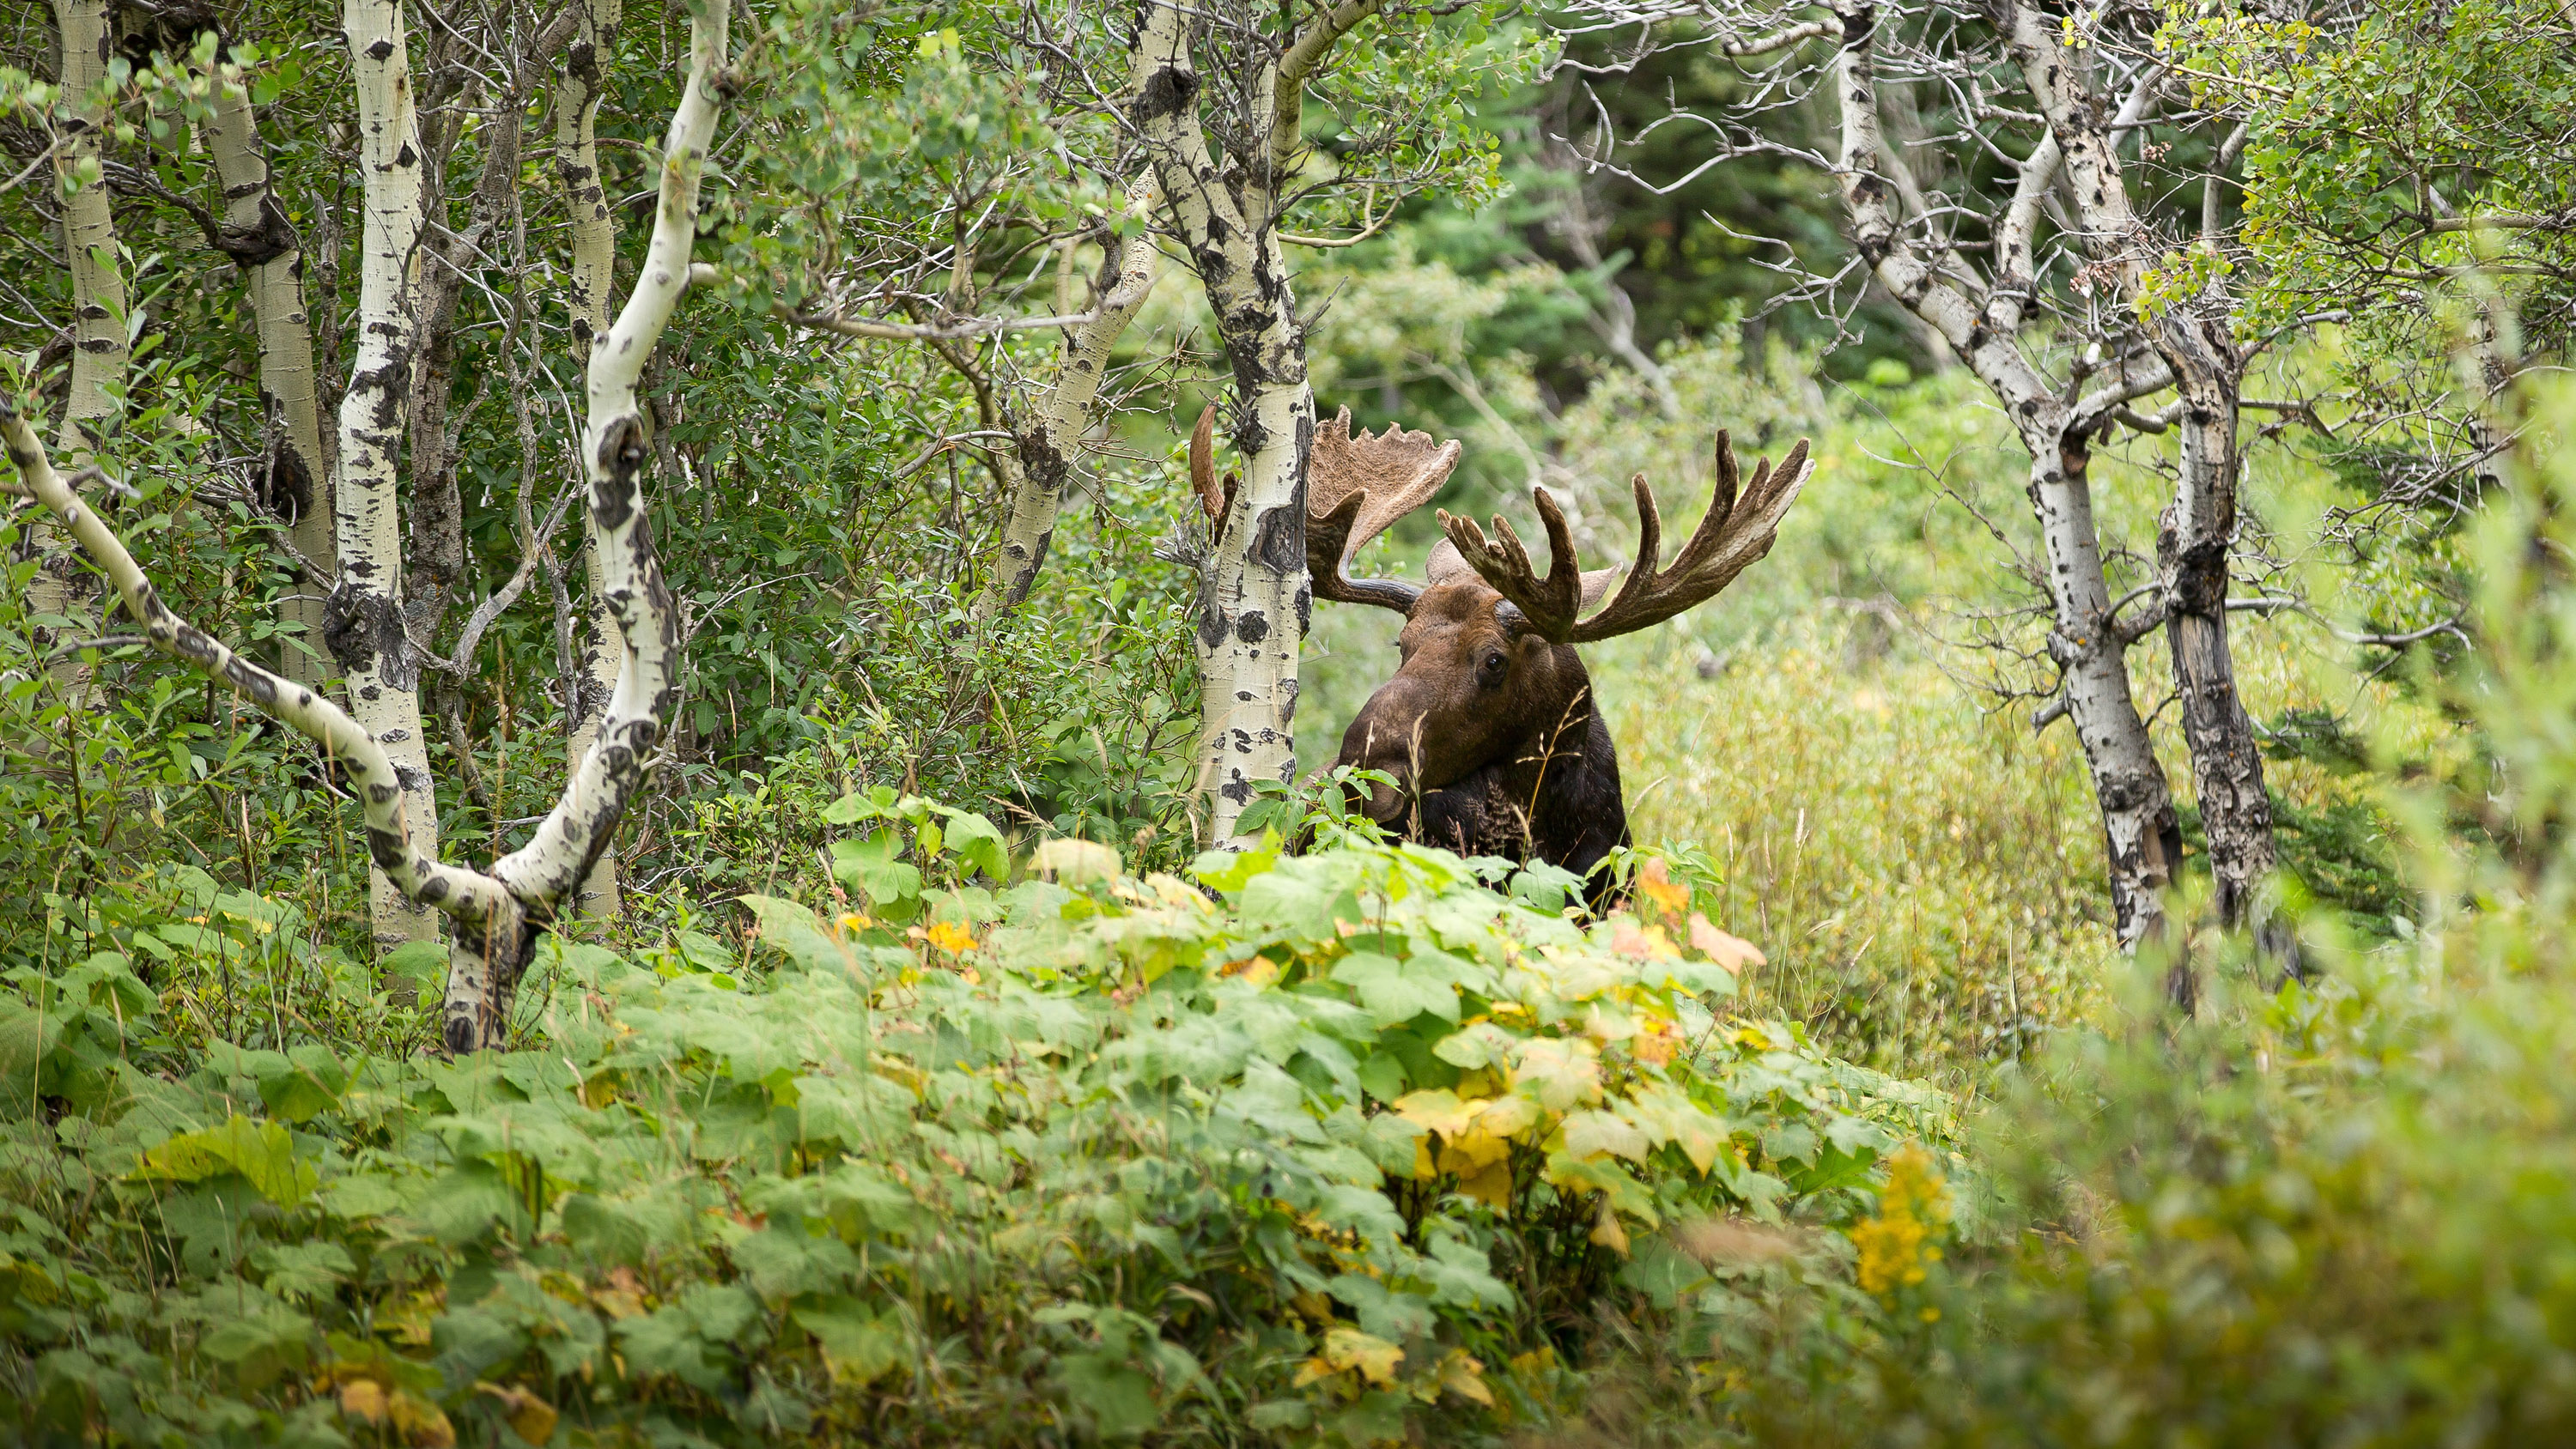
[1926,878]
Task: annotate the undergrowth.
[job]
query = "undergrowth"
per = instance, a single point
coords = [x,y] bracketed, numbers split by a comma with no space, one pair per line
[1364,1145]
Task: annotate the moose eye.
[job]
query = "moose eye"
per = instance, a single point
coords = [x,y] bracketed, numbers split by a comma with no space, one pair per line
[1493,665]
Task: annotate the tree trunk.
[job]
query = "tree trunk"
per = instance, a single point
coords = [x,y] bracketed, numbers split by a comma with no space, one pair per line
[592,279]
[1051,440]
[616,449]
[295,479]
[365,626]
[2198,528]
[2141,836]
[2192,545]
[2141,840]
[1254,598]
[99,347]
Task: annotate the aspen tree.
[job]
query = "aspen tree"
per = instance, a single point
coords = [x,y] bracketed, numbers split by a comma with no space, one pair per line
[497,915]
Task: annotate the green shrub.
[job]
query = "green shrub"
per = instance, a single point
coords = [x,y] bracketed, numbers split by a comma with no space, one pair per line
[2337,1213]
[1336,1149]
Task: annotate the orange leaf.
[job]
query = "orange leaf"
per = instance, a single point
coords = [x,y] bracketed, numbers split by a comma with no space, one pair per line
[1732,952]
[1658,886]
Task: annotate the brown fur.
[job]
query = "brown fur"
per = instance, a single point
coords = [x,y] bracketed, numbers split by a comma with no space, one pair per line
[1491,732]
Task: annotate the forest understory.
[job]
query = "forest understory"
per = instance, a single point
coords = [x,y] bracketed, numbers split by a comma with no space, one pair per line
[1384,723]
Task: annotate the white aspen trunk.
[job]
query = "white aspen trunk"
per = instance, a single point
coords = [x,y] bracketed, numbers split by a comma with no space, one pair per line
[592,280]
[616,447]
[2142,840]
[1050,443]
[2197,530]
[1254,595]
[2141,834]
[100,349]
[260,240]
[365,626]
[499,915]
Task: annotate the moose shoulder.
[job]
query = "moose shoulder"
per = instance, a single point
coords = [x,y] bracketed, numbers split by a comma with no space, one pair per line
[1490,727]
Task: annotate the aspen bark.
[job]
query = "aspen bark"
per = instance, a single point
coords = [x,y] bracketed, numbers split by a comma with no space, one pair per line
[365,623]
[1254,597]
[2141,837]
[1050,441]
[616,448]
[592,278]
[295,478]
[2197,530]
[100,349]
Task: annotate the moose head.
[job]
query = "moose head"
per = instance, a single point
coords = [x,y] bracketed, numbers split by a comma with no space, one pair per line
[1489,727]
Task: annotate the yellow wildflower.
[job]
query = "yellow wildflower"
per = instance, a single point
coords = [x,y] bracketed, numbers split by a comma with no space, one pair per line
[950,937]
[1913,1208]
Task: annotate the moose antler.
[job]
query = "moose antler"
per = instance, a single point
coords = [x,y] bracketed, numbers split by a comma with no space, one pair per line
[1738,530]
[1214,502]
[1355,488]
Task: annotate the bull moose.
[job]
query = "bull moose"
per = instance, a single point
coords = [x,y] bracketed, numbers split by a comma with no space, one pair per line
[1489,727]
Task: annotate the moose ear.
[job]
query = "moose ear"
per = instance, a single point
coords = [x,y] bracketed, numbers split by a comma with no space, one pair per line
[1596,585]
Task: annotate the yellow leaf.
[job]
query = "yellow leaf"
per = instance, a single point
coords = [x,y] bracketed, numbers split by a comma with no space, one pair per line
[1472,1152]
[1438,1111]
[1609,1234]
[1311,1371]
[1492,1187]
[1424,1169]
[1508,1117]
[363,1399]
[1657,885]
[1732,952]
[1606,1023]
[530,1417]
[421,1422]
[1076,862]
[623,1298]
[1655,1045]
[1645,943]
[1465,1377]
[1375,1358]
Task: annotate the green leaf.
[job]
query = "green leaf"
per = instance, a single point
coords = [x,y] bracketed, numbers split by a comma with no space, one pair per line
[859,1345]
[261,1152]
[850,809]
[799,934]
[1397,991]
[309,1084]
[977,842]
[422,961]
[1119,1399]
[872,867]
[261,1348]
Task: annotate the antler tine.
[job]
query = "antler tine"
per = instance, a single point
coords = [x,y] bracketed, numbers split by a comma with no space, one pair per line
[1548,604]
[1650,549]
[1327,543]
[1203,467]
[1738,529]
